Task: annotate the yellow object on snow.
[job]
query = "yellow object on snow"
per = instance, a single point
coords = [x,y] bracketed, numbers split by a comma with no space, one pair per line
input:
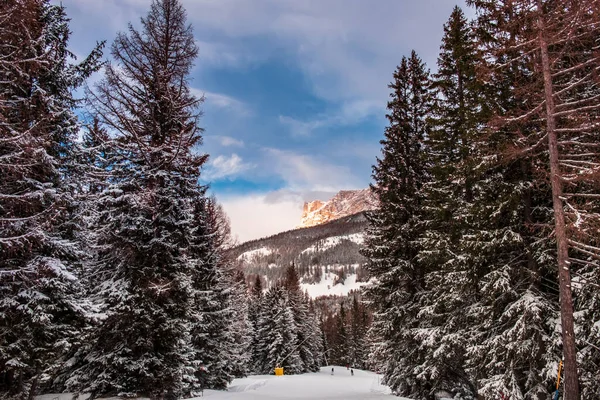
[279,371]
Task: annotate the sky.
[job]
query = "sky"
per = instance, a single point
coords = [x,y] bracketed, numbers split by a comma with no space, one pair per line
[295,91]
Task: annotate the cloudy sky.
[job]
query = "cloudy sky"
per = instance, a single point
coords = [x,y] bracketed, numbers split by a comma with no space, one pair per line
[295,91]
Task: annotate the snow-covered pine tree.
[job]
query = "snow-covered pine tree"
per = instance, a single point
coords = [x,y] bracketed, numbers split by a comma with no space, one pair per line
[587,290]
[340,352]
[450,282]
[215,351]
[254,307]
[309,345]
[157,267]
[276,334]
[236,336]
[391,243]
[556,43]
[241,328]
[358,346]
[40,314]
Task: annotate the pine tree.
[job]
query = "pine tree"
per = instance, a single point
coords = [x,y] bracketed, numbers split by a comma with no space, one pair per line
[358,348]
[450,282]
[340,351]
[276,333]
[241,328]
[506,248]
[309,345]
[391,244]
[164,296]
[40,310]
[551,40]
[254,308]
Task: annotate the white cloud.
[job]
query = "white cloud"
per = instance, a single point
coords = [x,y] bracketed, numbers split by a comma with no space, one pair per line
[221,100]
[347,48]
[255,216]
[301,128]
[305,172]
[225,167]
[227,141]
[350,112]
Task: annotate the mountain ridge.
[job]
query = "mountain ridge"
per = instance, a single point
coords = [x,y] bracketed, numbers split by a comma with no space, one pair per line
[344,203]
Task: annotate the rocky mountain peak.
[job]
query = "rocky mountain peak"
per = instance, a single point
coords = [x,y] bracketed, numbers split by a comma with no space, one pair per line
[344,203]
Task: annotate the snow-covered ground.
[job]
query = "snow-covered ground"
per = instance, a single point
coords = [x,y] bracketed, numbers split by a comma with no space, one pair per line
[318,386]
[326,286]
[249,255]
[330,242]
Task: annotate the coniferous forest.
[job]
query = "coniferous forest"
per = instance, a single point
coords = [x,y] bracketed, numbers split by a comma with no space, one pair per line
[117,274]
[488,183]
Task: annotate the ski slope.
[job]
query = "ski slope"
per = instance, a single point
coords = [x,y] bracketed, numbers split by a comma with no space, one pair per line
[316,386]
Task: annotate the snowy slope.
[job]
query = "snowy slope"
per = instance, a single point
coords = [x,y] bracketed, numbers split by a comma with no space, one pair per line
[249,255]
[333,247]
[318,386]
[333,241]
[326,286]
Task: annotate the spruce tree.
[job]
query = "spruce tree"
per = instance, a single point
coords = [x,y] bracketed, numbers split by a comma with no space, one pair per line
[40,309]
[358,348]
[392,237]
[506,248]
[309,345]
[276,333]
[549,42]
[163,294]
[450,282]
[340,349]
[254,308]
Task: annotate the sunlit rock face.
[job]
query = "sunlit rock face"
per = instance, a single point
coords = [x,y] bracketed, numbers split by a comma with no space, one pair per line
[346,202]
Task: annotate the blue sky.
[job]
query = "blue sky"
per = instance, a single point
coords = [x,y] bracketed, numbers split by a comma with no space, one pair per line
[295,91]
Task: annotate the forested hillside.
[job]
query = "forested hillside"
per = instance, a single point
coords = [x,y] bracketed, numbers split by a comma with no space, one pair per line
[329,250]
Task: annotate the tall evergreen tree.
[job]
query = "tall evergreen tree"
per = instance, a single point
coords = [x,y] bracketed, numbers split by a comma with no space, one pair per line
[309,345]
[456,119]
[340,353]
[164,299]
[276,333]
[551,41]
[506,250]
[392,240]
[358,348]
[40,311]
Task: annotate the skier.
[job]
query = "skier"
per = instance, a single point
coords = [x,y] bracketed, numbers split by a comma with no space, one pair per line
[202,375]
[352,372]
[332,371]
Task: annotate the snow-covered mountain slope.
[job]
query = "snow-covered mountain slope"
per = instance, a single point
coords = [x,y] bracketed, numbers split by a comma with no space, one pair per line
[330,284]
[327,257]
[321,385]
[344,203]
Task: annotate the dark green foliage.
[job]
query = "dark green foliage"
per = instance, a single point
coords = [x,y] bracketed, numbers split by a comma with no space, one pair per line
[160,284]
[392,242]
[41,314]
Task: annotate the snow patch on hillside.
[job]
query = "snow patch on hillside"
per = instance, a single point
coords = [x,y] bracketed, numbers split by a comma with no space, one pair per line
[249,255]
[327,287]
[333,241]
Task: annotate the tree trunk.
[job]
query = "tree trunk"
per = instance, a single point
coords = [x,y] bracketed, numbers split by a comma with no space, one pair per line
[34,383]
[571,383]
